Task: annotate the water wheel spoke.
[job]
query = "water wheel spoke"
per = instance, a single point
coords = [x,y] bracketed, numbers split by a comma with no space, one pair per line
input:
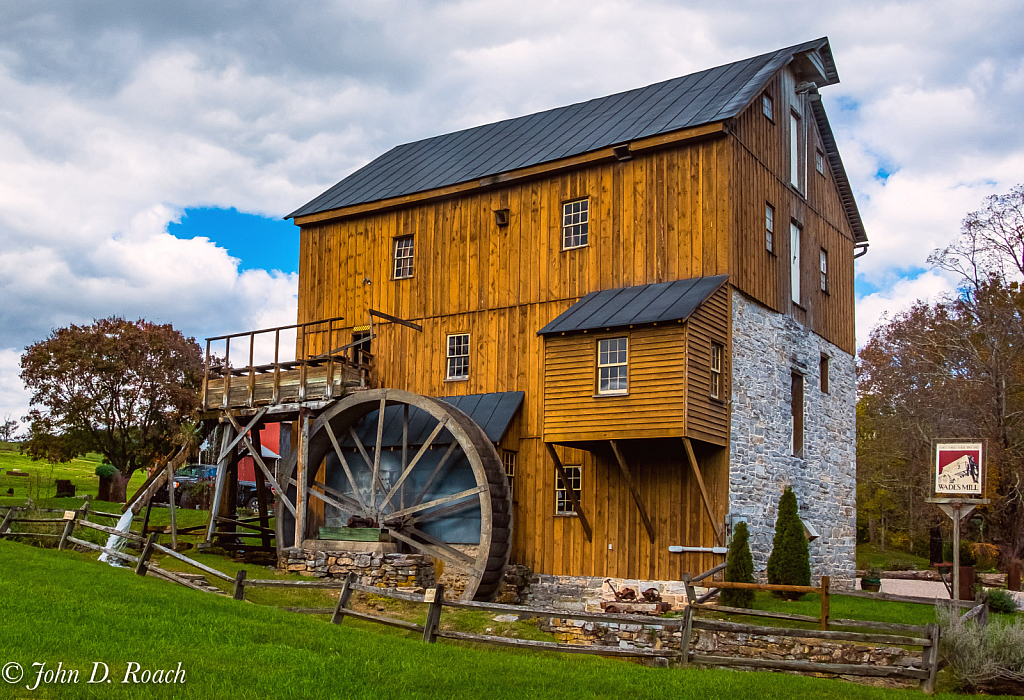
[339,504]
[376,453]
[415,460]
[461,495]
[433,475]
[447,554]
[366,456]
[445,511]
[348,470]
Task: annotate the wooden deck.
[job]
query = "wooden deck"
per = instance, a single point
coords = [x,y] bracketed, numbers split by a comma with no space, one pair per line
[306,379]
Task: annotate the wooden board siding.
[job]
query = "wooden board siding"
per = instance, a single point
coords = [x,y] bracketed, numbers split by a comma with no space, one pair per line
[761,175]
[654,406]
[707,418]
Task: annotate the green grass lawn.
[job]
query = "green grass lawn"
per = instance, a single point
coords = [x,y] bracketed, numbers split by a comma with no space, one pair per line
[889,560]
[63,607]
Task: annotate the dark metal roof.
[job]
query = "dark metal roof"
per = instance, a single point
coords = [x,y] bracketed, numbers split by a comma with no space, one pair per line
[648,303]
[693,100]
[492,412]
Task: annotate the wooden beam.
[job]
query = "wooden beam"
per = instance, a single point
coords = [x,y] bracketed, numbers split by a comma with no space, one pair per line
[438,502]
[258,461]
[577,507]
[301,468]
[632,489]
[692,459]
[435,552]
[348,471]
[415,460]
[395,319]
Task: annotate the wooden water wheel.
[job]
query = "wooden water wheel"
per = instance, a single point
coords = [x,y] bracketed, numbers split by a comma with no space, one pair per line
[420,470]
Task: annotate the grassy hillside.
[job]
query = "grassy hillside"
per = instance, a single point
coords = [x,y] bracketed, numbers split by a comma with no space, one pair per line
[63,607]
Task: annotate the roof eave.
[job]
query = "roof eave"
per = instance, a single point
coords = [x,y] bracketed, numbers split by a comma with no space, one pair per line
[838,171]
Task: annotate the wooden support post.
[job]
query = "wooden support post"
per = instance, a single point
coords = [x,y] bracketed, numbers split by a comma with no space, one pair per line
[302,478]
[206,378]
[142,568]
[145,518]
[226,445]
[560,470]
[826,584]
[69,527]
[85,511]
[686,639]
[632,489]
[691,595]
[346,593]
[930,659]
[261,487]
[692,459]
[434,615]
[229,501]
[240,585]
[170,505]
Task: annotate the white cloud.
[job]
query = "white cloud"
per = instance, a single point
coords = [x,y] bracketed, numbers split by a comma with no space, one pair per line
[886,304]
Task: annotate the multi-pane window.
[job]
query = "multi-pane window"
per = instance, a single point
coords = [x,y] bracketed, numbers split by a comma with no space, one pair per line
[575,223]
[767,106]
[819,161]
[823,268]
[823,374]
[458,356]
[404,248]
[716,371]
[508,458]
[612,371]
[563,501]
[769,227]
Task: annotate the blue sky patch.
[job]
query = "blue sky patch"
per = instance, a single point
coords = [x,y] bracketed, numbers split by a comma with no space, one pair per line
[258,241]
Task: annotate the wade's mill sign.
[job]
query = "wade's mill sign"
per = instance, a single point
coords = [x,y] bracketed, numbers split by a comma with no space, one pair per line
[958,468]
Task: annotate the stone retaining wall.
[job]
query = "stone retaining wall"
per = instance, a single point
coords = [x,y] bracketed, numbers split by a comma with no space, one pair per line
[385,570]
[586,593]
[730,644]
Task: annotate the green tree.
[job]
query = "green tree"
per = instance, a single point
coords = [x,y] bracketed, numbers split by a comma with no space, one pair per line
[790,561]
[117,387]
[739,569]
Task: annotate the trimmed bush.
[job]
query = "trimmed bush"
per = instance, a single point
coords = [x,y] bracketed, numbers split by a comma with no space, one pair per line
[790,561]
[739,569]
[1000,601]
[106,470]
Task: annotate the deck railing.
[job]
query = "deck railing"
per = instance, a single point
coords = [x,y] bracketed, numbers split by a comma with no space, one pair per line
[308,376]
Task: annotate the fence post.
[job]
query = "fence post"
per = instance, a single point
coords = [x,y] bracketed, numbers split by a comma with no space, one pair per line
[826,584]
[240,585]
[142,568]
[691,596]
[69,526]
[6,524]
[346,593]
[434,615]
[687,637]
[930,658]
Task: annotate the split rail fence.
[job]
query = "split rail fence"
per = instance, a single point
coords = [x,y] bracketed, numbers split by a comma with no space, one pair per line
[925,636]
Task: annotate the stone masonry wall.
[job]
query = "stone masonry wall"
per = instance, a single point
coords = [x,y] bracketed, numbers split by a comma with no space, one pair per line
[370,568]
[766,348]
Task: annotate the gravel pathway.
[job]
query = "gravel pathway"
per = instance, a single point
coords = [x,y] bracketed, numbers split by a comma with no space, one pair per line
[926,589]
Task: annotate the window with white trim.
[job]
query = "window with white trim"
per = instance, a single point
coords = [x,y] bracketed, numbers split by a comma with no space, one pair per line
[819,161]
[563,502]
[769,227]
[508,459]
[794,261]
[575,223]
[458,357]
[404,248]
[716,371]
[612,366]
[767,106]
[823,268]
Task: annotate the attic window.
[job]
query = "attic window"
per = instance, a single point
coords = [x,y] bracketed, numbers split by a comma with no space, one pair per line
[767,106]
[575,223]
[819,161]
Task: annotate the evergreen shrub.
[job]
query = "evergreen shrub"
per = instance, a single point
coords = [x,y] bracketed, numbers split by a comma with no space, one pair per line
[790,560]
[740,569]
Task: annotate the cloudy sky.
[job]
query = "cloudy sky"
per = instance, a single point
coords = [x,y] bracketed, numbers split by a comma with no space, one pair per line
[148,150]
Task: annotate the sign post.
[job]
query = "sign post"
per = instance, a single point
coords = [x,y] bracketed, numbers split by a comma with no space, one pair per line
[959,469]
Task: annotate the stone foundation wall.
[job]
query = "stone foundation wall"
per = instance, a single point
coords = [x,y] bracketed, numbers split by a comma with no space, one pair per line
[766,348]
[385,570]
[586,593]
[729,644]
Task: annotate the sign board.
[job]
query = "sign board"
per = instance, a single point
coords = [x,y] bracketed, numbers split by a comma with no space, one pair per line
[430,595]
[70,514]
[958,467]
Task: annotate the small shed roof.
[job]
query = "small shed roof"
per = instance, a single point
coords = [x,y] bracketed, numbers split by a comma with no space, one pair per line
[648,303]
[492,412]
